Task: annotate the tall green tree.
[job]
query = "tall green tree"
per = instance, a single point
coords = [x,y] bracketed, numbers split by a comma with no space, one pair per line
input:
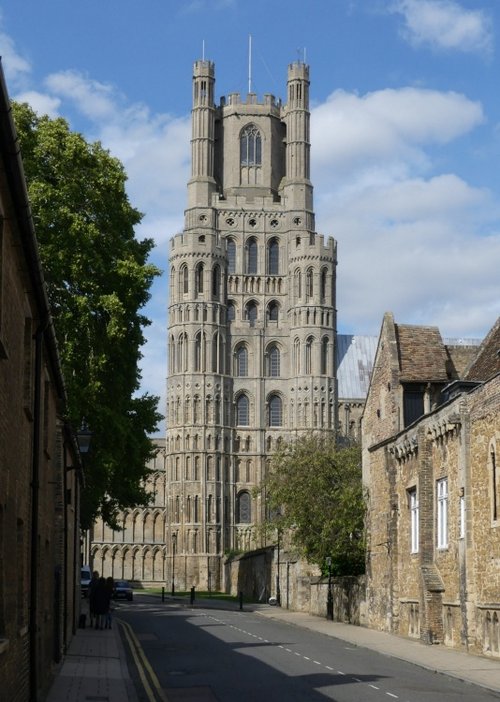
[98,279]
[314,490]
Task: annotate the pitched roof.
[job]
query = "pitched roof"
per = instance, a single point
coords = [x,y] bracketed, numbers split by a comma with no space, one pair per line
[487,361]
[422,355]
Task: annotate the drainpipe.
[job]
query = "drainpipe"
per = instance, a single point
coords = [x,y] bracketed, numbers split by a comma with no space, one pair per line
[35,491]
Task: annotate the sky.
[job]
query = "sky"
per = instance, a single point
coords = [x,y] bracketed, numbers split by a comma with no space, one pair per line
[405,132]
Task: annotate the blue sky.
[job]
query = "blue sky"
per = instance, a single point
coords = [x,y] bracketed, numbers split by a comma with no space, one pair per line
[405,131]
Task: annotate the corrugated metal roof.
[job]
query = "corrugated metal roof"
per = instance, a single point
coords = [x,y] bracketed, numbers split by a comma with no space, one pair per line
[355,356]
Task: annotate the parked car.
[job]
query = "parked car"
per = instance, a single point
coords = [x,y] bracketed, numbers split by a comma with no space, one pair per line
[123,589]
[85,578]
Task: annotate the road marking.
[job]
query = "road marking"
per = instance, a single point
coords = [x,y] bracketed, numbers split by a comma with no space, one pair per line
[391,695]
[142,664]
[328,667]
[317,662]
[374,687]
[307,659]
[340,672]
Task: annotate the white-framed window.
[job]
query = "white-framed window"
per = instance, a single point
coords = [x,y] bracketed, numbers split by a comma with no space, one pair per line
[414,519]
[442,512]
[461,529]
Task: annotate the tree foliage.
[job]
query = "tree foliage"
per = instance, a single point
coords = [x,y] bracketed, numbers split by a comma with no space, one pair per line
[314,490]
[98,279]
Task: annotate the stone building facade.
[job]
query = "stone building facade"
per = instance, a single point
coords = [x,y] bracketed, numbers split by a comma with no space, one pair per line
[431,436]
[40,471]
[252,320]
[137,551]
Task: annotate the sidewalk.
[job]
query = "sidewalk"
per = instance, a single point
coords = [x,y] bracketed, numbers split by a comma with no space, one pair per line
[95,666]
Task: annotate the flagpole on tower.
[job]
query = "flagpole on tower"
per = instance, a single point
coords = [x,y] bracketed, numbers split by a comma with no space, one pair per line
[249,63]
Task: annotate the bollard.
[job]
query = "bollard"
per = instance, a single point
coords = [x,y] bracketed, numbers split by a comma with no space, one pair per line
[191,599]
[163,594]
[241,600]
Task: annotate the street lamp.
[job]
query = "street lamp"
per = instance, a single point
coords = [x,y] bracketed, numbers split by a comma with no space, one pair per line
[278,591]
[174,544]
[84,436]
[329,602]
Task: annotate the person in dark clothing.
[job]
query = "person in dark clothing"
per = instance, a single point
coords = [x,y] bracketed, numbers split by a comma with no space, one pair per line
[100,603]
[109,594]
[92,586]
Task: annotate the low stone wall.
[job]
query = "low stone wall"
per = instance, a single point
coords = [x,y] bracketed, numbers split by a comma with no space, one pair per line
[348,592]
[301,589]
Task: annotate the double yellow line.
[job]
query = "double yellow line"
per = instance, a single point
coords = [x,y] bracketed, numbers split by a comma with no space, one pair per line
[143,665]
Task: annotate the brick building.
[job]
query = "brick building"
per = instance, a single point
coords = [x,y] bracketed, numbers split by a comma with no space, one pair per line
[39,465]
[431,437]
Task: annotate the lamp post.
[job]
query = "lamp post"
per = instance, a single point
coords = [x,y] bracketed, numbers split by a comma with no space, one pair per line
[174,544]
[329,602]
[278,591]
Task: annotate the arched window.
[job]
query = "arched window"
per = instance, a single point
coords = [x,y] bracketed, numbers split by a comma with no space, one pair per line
[231,256]
[273,361]
[324,356]
[309,283]
[251,312]
[241,361]
[323,279]
[215,353]
[199,352]
[308,356]
[172,281]
[171,354]
[243,508]
[273,311]
[273,257]
[275,411]
[251,256]
[183,271]
[298,284]
[242,411]
[250,146]
[296,356]
[182,354]
[199,272]
[231,311]
[216,282]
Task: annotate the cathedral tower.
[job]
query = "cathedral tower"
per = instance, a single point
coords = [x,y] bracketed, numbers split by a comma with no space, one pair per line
[252,320]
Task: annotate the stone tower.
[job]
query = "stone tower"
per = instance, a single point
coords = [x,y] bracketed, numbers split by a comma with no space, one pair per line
[252,320]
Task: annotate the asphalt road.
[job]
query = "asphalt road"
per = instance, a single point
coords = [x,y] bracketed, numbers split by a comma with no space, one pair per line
[215,655]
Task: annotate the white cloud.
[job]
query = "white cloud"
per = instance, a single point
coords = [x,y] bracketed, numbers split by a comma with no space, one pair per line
[388,128]
[412,240]
[446,25]
[154,148]
[16,67]
[425,249]
[42,103]
[95,100]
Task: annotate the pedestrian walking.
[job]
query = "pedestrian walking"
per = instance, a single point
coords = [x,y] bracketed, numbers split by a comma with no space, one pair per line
[100,603]
[109,595]
[92,586]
